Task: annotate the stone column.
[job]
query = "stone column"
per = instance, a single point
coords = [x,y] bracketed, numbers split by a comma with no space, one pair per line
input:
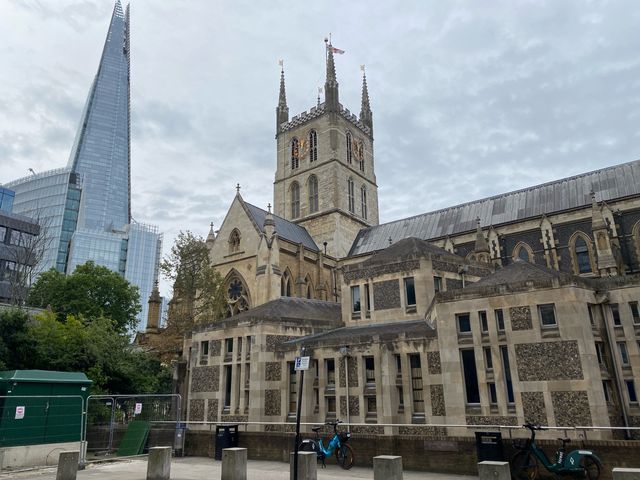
[387,467]
[68,465]
[159,463]
[626,474]
[234,464]
[494,470]
[307,466]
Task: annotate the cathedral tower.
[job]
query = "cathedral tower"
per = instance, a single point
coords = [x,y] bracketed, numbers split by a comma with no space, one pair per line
[325,179]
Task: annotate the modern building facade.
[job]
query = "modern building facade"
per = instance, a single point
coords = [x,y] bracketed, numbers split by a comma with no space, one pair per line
[86,207]
[18,239]
[519,307]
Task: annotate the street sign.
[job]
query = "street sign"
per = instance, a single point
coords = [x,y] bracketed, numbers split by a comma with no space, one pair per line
[19,413]
[302,363]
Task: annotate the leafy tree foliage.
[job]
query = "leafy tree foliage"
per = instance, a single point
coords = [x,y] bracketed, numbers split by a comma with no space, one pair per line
[198,289]
[15,348]
[91,291]
[96,347]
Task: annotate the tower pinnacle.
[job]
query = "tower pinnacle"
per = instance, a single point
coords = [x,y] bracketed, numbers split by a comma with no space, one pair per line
[331,98]
[282,111]
[366,116]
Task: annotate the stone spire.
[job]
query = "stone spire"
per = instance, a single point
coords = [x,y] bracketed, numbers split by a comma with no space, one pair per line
[269,225]
[282,111]
[211,237]
[481,242]
[153,315]
[331,97]
[366,116]
[597,218]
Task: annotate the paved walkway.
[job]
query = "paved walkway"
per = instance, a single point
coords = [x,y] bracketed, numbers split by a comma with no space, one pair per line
[198,468]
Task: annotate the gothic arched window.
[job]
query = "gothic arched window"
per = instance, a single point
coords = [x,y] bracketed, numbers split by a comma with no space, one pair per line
[351,196]
[313,194]
[583,260]
[523,252]
[313,146]
[363,201]
[349,140]
[237,295]
[295,154]
[234,241]
[285,284]
[295,200]
[308,287]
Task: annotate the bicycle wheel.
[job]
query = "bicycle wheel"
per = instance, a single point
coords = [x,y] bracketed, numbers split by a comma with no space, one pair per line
[344,454]
[524,466]
[591,468]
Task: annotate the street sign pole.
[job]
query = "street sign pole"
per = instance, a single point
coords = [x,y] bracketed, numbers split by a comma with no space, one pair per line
[302,363]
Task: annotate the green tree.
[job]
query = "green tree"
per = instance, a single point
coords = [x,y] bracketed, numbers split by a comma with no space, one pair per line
[198,289]
[100,350]
[91,291]
[15,348]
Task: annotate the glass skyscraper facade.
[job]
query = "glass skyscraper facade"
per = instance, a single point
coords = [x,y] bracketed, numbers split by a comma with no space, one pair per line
[86,207]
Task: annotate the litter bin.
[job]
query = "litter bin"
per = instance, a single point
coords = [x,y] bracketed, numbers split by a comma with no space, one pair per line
[489,446]
[226,437]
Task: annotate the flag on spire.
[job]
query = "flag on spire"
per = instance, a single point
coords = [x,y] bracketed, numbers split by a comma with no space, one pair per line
[336,50]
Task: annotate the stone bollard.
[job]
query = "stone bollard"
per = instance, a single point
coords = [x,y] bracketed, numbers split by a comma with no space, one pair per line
[387,467]
[159,463]
[626,474]
[488,470]
[307,465]
[68,465]
[234,464]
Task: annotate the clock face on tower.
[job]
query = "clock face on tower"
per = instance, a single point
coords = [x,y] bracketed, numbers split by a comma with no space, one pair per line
[303,148]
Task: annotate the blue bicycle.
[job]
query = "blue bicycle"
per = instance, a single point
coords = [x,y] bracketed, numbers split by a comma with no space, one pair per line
[337,444]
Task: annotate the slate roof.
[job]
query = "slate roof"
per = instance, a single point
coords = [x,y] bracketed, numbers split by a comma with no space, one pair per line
[297,308]
[517,272]
[567,193]
[321,313]
[365,333]
[406,249]
[284,228]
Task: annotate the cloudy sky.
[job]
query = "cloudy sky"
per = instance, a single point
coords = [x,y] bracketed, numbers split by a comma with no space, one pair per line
[469,98]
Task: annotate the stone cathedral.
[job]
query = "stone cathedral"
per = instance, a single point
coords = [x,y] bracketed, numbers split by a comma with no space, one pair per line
[519,307]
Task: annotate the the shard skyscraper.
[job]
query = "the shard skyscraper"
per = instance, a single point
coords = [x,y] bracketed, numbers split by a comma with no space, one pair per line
[86,207]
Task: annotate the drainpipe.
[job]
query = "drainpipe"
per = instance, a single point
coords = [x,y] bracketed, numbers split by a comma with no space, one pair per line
[616,370]
[345,352]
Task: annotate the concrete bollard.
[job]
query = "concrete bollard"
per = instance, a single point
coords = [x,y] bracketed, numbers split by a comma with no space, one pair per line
[68,465]
[626,474]
[387,467]
[159,463]
[307,465]
[234,464]
[488,470]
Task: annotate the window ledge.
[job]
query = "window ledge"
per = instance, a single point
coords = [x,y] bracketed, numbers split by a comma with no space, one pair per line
[418,418]
[355,315]
[550,332]
[473,409]
[410,309]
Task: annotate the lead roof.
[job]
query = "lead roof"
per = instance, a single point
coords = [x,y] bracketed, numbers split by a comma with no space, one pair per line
[569,193]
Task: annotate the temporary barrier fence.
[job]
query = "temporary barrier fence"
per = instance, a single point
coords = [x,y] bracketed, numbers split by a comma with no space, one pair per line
[109,418]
